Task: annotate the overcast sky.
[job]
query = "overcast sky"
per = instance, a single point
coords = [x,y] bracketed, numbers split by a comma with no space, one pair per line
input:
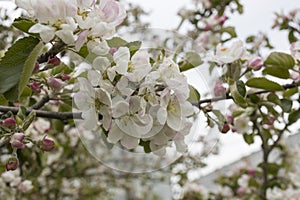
[258,16]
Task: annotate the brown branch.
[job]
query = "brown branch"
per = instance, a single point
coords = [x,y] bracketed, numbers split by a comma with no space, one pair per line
[56,48]
[211,100]
[45,114]
[40,103]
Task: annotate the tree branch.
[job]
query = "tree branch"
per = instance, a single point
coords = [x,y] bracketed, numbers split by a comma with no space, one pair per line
[40,103]
[211,100]
[56,48]
[45,114]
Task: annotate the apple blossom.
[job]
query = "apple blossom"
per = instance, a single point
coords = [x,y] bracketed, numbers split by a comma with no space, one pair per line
[225,55]
[25,186]
[16,140]
[55,83]
[12,164]
[256,63]
[241,124]
[47,144]
[295,50]
[9,123]
[219,89]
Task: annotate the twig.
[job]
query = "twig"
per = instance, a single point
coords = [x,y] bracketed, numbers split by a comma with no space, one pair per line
[45,114]
[56,48]
[211,100]
[40,103]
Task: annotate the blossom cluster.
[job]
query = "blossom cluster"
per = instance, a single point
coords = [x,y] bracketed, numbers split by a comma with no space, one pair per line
[75,22]
[139,101]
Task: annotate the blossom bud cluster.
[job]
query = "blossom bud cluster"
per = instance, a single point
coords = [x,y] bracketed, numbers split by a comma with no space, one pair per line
[74,21]
[138,101]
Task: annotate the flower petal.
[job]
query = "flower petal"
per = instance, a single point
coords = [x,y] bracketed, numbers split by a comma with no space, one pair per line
[130,142]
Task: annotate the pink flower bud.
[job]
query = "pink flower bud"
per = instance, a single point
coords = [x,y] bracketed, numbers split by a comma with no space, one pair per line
[225,128]
[219,90]
[222,19]
[47,144]
[16,140]
[230,119]
[55,83]
[54,61]
[9,122]
[295,76]
[251,172]
[36,67]
[35,87]
[240,191]
[12,164]
[256,63]
[112,51]
[65,77]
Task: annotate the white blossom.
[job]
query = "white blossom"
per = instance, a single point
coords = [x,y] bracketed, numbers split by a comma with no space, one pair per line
[229,54]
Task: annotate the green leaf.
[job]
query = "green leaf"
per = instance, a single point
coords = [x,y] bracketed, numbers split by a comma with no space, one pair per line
[230,30]
[194,95]
[274,99]
[234,70]
[249,138]
[294,116]
[273,168]
[11,65]
[237,97]
[24,25]
[290,92]
[145,145]
[263,83]
[278,59]
[278,72]
[61,68]
[3,100]
[29,66]
[254,98]
[220,116]
[241,88]
[133,47]
[292,37]
[190,61]
[83,52]
[286,105]
[28,120]
[116,42]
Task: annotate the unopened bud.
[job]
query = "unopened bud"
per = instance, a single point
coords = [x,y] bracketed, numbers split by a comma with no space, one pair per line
[222,19]
[47,144]
[12,164]
[251,172]
[256,63]
[54,61]
[230,119]
[16,140]
[36,67]
[9,123]
[240,191]
[55,83]
[112,51]
[65,77]
[225,128]
[35,87]
[219,89]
